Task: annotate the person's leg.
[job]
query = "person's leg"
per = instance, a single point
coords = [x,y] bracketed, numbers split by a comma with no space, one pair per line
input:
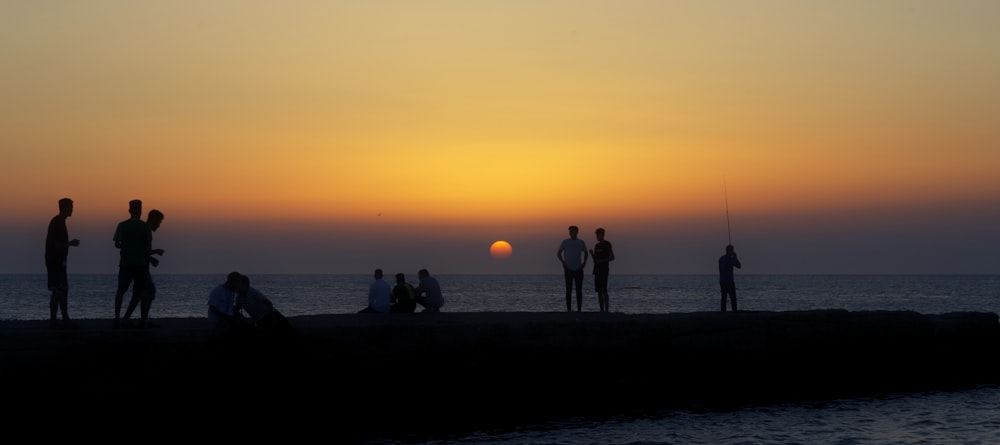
[723,298]
[124,281]
[607,297]
[132,304]
[64,308]
[53,307]
[578,279]
[143,311]
[568,276]
[145,299]
[59,285]
[732,298]
[63,302]
[150,296]
[597,287]
[601,284]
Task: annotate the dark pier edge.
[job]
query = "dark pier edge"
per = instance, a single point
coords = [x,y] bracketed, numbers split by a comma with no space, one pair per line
[355,377]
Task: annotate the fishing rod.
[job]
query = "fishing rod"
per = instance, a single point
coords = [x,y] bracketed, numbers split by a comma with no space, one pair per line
[725,191]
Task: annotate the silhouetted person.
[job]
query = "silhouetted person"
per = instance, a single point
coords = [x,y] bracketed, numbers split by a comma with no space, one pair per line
[603,255]
[154,219]
[134,241]
[404,297]
[572,254]
[429,292]
[223,317]
[379,295]
[726,279]
[57,244]
[262,313]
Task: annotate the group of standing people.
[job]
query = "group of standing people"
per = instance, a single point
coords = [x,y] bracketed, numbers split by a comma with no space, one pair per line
[403,297]
[573,255]
[133,238]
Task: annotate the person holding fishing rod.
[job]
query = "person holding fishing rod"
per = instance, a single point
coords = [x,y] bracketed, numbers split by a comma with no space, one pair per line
[728,261]
[726,279]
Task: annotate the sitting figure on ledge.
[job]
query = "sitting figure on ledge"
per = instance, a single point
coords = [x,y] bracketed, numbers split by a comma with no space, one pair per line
[262,314]
[429,292]
[224,318]
[404,297]
[379,295]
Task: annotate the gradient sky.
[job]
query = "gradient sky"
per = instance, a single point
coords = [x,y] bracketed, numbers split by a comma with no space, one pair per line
[336,137]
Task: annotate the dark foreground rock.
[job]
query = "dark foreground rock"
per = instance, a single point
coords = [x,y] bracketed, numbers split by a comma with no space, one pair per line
[353,378]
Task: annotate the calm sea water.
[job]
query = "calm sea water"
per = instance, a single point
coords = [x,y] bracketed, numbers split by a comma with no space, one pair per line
[25,297]
[954,417]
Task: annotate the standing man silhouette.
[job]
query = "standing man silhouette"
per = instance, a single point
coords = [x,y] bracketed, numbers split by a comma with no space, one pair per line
[154,219]
[572,254]
[603,255]
[134,240]
[726,279]
[57,244]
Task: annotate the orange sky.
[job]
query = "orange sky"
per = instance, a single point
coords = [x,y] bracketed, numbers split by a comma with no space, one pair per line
[340,136]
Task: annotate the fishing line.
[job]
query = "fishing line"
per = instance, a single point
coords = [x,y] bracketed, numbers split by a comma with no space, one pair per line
[725,191]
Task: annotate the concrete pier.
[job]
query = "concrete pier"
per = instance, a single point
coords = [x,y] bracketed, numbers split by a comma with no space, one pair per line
[359,377]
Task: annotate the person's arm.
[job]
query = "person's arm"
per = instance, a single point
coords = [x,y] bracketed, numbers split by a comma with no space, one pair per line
[117,237]
[218,312]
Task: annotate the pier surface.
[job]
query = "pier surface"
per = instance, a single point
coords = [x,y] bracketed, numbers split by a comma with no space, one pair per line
[359,377]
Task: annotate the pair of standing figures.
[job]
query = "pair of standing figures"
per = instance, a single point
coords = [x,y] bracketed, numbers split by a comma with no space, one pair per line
[573,255]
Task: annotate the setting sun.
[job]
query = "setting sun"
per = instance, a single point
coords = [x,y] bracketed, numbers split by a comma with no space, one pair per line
[500,249]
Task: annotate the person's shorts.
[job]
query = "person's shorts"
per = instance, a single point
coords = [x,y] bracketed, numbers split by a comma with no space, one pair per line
[601,282]
[728,288]
[133,274]
[57,276]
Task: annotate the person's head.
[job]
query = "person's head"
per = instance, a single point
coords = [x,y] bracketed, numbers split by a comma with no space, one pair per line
[599,233]
[573,231]
[423,273]
[378,274]
[66,207]
[135,208]
[730,249]
[154,219]
[400,278]
[233,280]
[243,284]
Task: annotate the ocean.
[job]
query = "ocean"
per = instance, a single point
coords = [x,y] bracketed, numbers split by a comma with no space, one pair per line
[968,416]
[25,297]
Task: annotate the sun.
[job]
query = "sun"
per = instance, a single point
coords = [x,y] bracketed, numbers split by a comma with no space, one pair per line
[500,249]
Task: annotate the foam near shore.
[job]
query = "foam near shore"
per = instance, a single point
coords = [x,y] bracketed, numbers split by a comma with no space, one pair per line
[429,374]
